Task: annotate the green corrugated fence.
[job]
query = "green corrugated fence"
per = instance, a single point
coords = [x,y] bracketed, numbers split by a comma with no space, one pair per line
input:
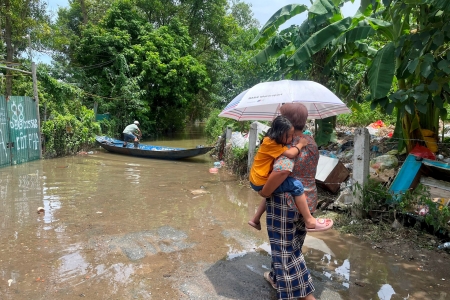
[19,132]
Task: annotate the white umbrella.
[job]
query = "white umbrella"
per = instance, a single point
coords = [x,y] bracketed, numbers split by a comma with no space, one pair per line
[263,101]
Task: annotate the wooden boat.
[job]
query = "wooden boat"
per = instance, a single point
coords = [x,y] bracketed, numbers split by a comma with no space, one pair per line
[149,151]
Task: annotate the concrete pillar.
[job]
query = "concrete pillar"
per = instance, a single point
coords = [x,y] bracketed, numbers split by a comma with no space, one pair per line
[361,160]
[227,139]
[228,135]
[252,136]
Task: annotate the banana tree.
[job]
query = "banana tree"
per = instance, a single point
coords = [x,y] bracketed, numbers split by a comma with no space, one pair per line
[411,71]
[309,51]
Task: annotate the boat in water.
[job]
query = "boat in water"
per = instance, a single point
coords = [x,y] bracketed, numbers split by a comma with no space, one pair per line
[149,151]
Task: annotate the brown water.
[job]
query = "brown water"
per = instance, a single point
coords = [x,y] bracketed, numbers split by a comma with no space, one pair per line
[118,227]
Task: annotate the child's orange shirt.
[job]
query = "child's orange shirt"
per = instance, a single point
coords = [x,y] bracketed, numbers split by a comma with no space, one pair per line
[263,162]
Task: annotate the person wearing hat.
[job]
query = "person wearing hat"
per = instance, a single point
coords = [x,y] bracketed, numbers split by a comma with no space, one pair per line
[131,134]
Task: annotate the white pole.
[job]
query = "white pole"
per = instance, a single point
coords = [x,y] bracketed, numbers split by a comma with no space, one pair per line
[361,160]
[36,99]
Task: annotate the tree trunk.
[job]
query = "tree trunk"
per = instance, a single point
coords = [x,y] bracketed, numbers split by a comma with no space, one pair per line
[83,10]
[9,47]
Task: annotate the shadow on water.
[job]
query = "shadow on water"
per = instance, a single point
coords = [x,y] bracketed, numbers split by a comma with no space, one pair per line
[119,227]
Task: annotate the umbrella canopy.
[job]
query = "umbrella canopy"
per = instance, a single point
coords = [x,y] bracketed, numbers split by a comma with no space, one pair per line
[263,101]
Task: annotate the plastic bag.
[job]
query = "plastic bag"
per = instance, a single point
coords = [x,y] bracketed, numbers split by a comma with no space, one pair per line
[377,124]
[422,151]
[383,162]
[239,140]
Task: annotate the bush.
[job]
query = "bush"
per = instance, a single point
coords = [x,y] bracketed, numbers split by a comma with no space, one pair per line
[237,161]
[110,127]
[216,126]
[363,115]
[376,197]
[68,134]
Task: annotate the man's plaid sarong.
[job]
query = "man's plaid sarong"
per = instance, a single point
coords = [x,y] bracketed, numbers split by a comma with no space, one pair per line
[287,233]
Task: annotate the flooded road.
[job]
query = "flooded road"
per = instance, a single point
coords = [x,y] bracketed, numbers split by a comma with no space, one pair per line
[118,227]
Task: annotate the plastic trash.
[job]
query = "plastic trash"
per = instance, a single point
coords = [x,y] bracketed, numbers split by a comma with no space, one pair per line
[422,151]
[217,164]
[384,162]
[423,211]
[378,124]
[213,170]
[444,246]
[327,153]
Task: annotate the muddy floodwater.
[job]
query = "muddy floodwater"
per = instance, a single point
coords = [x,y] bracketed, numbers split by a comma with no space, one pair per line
[118,227]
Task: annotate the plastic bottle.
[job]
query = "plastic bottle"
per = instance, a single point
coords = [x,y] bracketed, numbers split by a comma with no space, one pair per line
[444,246]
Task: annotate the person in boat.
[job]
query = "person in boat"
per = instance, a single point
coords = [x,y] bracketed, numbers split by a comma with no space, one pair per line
[131,133]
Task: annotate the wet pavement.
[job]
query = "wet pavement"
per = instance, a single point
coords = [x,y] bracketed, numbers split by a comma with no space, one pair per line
[118,227]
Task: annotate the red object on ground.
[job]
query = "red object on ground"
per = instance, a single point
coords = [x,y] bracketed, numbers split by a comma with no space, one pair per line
[378,124]
[390,134]
[422,151]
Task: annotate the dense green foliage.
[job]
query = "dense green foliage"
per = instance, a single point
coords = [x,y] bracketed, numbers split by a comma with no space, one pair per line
[402,47]
[363,115]
[164,63]
[68,134]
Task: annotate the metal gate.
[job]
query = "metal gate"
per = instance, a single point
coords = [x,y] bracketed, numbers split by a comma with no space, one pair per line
[19,132]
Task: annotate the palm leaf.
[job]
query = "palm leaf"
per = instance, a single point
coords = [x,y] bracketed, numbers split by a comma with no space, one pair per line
[277,19]
[273,50]
[318,41]
[381,72]
[441,4]
[322,7]
[362,31]
[325,132]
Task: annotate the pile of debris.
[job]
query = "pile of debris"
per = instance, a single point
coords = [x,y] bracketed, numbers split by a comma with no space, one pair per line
[398,172]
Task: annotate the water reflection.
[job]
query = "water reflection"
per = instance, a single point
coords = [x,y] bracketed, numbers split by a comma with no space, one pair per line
[386,291]
[51,204]
[233,253]
[118,273]
[133,173]
[72,265]
[344,271]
